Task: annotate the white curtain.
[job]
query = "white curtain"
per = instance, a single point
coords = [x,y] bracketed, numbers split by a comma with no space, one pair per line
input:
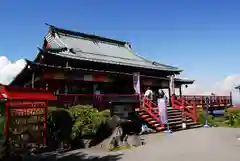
[171,85]
[136,82]
[162,105]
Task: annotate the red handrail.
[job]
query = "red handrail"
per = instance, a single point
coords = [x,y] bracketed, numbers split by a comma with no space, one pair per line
[181,104]
[150,110]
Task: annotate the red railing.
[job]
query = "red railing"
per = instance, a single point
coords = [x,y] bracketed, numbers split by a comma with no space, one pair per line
[213,100]
[150,108]
[188,108]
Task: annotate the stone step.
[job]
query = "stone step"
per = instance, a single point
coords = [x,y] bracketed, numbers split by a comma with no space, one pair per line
[168,109]
[174,116]
[170,116]
[174,113]
[156,109]
[170,119]
[177,119]
[179,122]
[151,120]
[188,125]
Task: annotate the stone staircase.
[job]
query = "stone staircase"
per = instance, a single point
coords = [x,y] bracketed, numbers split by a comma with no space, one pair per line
[175,117]
[152,122]
[175,120]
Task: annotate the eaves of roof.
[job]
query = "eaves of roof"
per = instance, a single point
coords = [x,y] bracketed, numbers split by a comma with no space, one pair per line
[25,72]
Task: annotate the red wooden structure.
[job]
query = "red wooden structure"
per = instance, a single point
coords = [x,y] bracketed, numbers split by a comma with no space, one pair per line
[146,109]
[24,112]
[189,109]
[214,101]
[102,99]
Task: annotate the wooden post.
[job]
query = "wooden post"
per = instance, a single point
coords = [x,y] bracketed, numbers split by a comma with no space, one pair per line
[45,123]
[33,79]
[169,95]
[231,99]
[7,106]
[66,89]
[180,91]
[67,64]
[41,82]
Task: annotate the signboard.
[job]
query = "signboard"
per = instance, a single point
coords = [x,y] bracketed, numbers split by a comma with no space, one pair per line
[27,111]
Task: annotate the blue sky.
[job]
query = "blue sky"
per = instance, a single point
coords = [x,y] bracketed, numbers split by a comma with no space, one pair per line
[200,36]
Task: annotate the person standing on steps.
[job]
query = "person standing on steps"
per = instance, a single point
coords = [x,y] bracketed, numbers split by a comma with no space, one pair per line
[162,107]
[148,96]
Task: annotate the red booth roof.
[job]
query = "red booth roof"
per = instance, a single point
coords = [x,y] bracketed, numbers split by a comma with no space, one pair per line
[20,93]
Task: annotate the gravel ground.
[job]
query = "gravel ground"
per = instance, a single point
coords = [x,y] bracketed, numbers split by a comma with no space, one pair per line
[215,144]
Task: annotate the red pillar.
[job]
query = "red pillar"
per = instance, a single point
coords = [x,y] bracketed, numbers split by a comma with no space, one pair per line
[45,123]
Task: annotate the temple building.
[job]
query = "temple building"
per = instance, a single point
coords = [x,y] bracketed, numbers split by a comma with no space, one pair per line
[82,68]
[71,62]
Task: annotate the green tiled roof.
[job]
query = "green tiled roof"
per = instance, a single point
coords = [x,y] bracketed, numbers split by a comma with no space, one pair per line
[99,49]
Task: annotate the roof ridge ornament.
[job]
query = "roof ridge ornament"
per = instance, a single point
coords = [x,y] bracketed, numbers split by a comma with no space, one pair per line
[154,63]
[129,45]
[71,50]
[52,31]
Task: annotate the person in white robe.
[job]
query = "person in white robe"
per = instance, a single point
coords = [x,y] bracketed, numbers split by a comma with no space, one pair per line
[149,94]
[162,107]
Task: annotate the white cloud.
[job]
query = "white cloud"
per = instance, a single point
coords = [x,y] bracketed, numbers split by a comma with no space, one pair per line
[8,69]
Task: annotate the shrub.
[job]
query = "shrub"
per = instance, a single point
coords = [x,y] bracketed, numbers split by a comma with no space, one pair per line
[75,123]
[201,118]
[232,116]
[87,120]
[59,127]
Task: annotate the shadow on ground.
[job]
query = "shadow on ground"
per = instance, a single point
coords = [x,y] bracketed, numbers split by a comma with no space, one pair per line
[80,156]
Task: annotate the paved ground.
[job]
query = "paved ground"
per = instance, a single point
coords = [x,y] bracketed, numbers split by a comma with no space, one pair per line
[214,144]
